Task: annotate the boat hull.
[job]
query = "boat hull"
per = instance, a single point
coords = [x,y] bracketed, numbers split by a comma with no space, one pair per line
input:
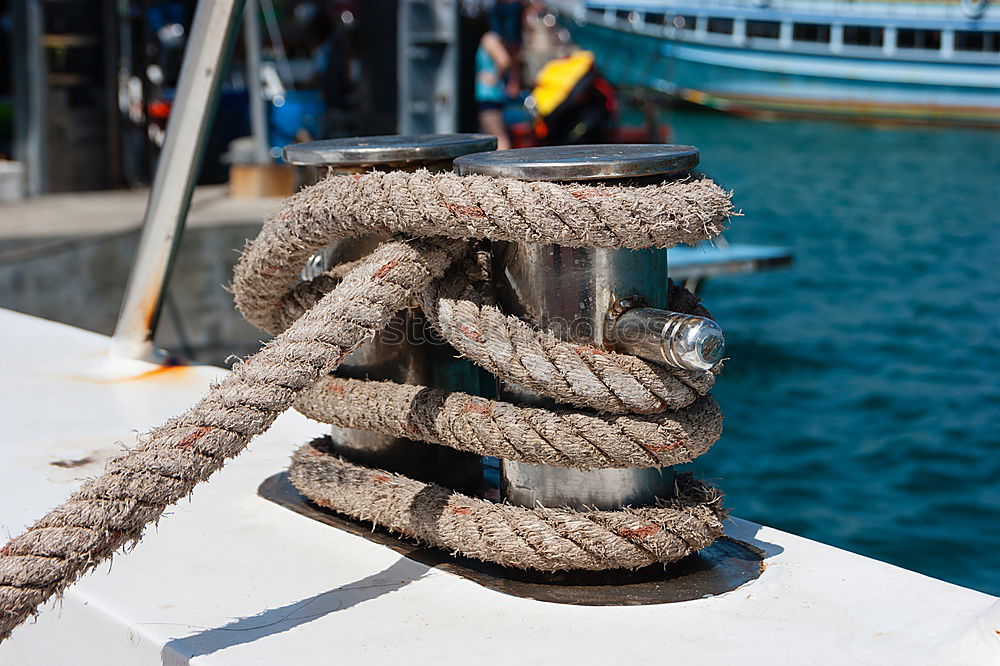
[760,82]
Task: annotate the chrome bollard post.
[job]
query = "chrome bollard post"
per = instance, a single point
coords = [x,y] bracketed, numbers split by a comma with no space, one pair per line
[574,292]
[396,354]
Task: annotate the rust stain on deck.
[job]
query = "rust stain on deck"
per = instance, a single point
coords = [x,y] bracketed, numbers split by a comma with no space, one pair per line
[172,367]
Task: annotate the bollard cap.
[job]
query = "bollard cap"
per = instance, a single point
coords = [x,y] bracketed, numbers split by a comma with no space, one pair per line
[587,162]
[361,151]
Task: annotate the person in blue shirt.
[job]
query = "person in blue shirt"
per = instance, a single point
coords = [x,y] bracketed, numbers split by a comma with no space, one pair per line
[507,20]
[493,61]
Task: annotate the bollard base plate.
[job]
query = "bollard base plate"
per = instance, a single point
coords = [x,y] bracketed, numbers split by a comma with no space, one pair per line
[722,567]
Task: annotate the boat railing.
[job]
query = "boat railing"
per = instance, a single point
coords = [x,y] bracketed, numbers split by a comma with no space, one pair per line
[735,23]
[962,11]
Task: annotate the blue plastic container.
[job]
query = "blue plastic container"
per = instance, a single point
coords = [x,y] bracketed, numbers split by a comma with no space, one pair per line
[295,110]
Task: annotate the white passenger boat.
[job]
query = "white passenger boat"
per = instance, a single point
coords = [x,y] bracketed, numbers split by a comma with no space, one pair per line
[905,61]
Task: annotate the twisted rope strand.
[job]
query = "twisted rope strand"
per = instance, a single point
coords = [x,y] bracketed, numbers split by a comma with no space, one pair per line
[463,207]
[569,438]
[545,539]
[577,374]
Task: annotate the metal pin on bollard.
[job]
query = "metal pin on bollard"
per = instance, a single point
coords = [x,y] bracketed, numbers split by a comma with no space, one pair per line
[396,354]
[592,295]
[672,338]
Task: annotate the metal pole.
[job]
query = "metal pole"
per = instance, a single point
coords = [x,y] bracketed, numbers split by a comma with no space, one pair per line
[112,123]
[30,91]
[208,48]
[274,34]
[427,66]
[404,119]
[258,116]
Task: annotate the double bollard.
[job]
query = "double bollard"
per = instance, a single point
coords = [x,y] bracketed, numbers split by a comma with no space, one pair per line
[609,298]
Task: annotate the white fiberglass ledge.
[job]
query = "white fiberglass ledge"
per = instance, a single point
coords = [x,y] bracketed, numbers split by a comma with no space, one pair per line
[230,578]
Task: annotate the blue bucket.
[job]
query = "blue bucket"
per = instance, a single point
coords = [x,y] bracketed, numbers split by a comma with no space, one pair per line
[295,110]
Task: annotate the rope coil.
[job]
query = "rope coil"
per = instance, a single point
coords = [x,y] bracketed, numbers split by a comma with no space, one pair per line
[318,323]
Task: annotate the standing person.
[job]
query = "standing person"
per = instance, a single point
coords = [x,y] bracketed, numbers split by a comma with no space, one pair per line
[492,62]
[507,20]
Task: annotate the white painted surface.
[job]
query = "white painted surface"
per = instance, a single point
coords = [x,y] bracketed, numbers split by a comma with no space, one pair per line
[229,578]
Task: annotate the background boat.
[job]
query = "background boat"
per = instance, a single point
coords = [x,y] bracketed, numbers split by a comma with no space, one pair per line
[923,62]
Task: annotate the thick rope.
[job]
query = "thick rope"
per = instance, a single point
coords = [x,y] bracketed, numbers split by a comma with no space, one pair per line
[531,537]
[663,215]
[577,374]
[327,318]
[569,438]
[463,207]
[111,510]
[546,539]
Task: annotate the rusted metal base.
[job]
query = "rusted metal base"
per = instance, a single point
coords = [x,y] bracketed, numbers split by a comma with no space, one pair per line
[722,567]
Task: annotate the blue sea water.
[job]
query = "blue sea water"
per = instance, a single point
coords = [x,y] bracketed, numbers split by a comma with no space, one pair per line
[862,397]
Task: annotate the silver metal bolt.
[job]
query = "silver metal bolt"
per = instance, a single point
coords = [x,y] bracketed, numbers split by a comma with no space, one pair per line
[673,338]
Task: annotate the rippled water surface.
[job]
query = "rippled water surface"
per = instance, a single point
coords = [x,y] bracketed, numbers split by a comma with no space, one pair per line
[862,400]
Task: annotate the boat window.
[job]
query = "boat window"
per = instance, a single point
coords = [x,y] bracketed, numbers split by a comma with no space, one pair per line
[722,26]
[910,38]
[977,40]
[623,14]
[863,35]
[766,29]
[655,19]
[810,32]
[684,22]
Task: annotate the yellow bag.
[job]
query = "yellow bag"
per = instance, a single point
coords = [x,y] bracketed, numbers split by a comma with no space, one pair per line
[557,78]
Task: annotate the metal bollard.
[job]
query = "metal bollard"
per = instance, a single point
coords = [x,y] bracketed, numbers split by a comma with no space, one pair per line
[588,295]
[396,354]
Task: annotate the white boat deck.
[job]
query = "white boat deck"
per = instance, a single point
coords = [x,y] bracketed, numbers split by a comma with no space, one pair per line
[230,578]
